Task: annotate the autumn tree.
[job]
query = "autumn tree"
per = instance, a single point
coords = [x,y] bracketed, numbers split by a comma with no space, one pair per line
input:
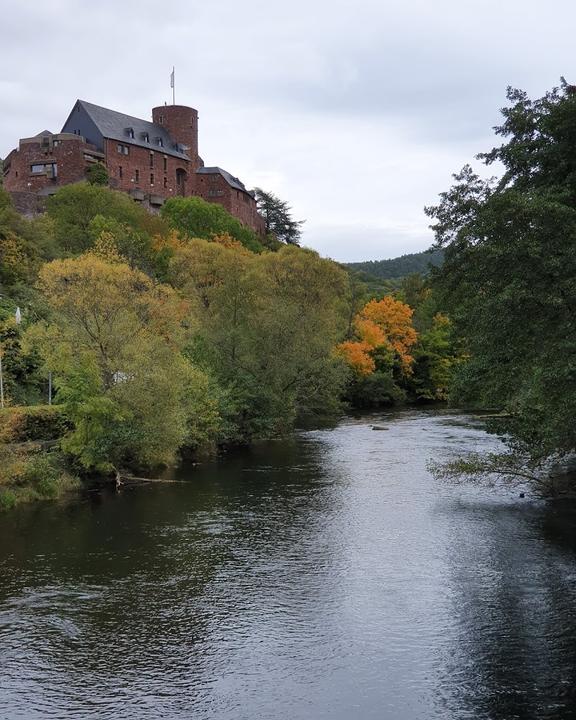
[381,324]
[379,353]
[114,345]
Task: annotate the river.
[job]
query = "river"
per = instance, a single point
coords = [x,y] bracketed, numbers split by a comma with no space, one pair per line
[324,576]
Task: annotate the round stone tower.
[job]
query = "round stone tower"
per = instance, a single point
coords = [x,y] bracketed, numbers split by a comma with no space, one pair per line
[181,122]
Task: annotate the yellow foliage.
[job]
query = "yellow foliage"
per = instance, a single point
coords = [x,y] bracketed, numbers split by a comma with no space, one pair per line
[227,241]
[110,308]
[170,240]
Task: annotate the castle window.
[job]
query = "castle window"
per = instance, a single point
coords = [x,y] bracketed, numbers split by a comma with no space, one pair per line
[146,137]
[37,169]
[151,178]
[151,159]
[137,175]
[165,164]
[123,149]
[120,172]
[160,142]
[160,119]
[165,182]
[130,132]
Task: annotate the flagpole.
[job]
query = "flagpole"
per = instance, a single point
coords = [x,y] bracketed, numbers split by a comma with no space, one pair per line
[173,86]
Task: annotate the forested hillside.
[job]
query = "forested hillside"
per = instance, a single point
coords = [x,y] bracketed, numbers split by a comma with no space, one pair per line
[401,266]
[128,338]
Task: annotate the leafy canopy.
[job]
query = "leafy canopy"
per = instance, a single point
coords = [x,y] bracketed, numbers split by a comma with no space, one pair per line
[509,275]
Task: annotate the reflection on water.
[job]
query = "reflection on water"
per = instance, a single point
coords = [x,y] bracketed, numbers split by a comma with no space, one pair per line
[327,576]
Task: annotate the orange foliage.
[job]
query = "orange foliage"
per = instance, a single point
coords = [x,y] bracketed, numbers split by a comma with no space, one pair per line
[370,333]
[356,354]
[395,320]
[383,323]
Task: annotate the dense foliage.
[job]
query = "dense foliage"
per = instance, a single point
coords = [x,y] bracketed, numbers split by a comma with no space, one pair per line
[399,267]
[181,333]
[400,347]
[509,276]
[193,217]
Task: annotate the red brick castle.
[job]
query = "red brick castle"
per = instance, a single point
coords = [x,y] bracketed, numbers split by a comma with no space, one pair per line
[152,161]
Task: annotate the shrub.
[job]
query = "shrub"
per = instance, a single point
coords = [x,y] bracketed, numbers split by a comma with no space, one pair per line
[35,422]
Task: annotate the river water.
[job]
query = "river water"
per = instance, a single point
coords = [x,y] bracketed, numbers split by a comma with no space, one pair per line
[325,576]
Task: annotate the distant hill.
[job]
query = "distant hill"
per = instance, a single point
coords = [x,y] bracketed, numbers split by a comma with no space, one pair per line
[400,266]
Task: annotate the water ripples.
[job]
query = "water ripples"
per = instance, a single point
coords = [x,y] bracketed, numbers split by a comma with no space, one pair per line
[327,576]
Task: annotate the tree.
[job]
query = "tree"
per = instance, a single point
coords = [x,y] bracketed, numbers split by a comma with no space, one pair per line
[379,353]
[381,325]
[264,326]
[114,345]
[508,276]
[74,207]
[194,217]
[278,217]
[96,174]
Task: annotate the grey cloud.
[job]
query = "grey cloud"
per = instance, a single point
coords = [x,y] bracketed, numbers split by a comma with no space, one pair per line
[356,112]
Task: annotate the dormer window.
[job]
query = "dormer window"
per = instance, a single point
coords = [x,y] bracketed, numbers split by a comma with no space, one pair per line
[145,137]
[130,132]
[159,142]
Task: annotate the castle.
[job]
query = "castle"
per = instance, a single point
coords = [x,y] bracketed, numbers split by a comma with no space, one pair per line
[152,161]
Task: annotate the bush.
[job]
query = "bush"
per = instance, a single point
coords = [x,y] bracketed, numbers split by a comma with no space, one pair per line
[8,499]
[194,217]
[97,174]
[31,474]
[35,422]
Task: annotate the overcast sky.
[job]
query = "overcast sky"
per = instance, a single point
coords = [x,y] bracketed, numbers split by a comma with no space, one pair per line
[355,112]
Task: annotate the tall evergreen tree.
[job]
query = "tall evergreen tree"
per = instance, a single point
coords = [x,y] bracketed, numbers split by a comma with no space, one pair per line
[278,217]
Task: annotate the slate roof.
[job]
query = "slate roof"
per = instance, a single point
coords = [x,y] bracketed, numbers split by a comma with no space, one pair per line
[234,182]
[113,125]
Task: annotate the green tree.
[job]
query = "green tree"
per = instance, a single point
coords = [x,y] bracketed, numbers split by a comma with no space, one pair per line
[278,216]
[194,217]
[114,345]
[74,207]
[96,174]
[265,326]
[509,276]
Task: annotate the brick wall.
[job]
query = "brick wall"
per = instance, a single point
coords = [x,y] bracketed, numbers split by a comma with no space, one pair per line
[214,188]
[63,157]
[150,171]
